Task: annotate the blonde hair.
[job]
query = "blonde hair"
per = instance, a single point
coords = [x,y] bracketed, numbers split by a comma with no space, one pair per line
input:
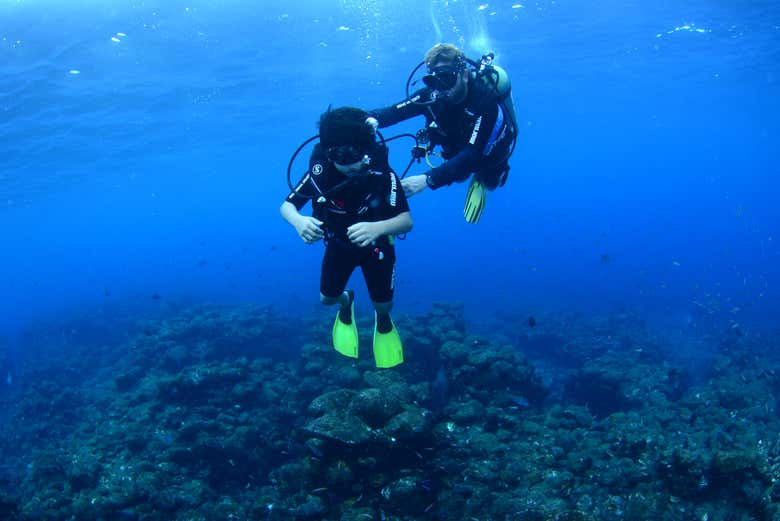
[445,52]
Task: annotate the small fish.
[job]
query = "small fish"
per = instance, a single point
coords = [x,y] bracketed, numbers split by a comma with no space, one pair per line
[9,379]
[106,292]
[156,296]
[605,259]
[319,490]
[531,321]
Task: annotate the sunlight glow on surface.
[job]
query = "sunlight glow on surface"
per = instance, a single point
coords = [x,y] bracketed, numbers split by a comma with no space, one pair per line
[480,43]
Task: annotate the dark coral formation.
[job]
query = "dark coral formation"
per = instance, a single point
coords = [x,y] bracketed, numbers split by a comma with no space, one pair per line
[244,414]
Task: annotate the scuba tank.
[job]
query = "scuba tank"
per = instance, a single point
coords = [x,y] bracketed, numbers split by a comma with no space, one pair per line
[497,78]
[504,89]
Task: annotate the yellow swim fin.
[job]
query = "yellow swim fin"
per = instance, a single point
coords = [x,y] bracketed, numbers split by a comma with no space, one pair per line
[388,351]
[475,201]
[345,336]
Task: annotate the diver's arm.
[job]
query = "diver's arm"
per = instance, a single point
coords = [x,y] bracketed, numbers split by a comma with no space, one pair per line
[401,111]
[401,223]
[308,228]
[456,169]
[364,233]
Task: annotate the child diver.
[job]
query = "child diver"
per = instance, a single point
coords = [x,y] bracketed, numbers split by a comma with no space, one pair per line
[358,206]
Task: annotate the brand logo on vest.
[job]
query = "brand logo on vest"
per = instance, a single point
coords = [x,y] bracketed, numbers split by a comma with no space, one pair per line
[475,132]
[316,169]
[393,190]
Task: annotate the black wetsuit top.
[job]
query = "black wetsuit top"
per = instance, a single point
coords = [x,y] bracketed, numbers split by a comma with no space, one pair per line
[340,201]
[475,135]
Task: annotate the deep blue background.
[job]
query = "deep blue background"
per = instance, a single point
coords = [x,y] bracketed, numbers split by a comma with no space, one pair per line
[649,139]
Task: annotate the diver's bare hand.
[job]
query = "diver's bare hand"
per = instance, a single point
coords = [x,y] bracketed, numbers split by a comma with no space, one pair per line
[363,234]
[414,184]
[308,229]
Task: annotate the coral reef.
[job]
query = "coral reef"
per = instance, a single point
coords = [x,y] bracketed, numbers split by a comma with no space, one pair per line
[241,413]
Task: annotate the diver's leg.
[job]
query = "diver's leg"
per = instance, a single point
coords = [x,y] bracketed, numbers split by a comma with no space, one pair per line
[494,176]
[379,273]
[337,266]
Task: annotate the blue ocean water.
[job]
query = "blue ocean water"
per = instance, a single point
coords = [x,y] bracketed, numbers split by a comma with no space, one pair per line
[143,149]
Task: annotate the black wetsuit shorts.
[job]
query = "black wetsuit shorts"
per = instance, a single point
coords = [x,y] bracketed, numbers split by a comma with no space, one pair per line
[376,262]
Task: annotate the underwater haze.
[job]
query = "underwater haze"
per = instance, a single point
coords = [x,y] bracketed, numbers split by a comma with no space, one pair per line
[144,148]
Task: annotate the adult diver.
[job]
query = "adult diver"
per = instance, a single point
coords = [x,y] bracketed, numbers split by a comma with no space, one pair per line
[469,113]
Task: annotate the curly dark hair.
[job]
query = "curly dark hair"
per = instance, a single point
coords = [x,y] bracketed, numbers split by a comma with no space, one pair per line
[345,126]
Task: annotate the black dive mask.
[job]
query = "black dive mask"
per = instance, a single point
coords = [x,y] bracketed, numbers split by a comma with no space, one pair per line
[441,78]
[346,154]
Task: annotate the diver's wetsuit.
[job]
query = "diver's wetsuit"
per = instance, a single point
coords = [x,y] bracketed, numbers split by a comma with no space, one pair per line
[475,135]
[340,202]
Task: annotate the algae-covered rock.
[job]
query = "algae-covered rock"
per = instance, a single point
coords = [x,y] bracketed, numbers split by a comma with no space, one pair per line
[415,423]
[360,514]
[578,416]
[406,494]
[337,400]
[468,413]
[740,474]
[684,472]
[339,475]
[312,508]
[375,406]
[83,474]
[572,515]
[340,427]
[346,376]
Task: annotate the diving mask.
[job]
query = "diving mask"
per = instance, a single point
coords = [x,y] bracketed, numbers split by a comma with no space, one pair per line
[441,78]
[349,159]
[346,154]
